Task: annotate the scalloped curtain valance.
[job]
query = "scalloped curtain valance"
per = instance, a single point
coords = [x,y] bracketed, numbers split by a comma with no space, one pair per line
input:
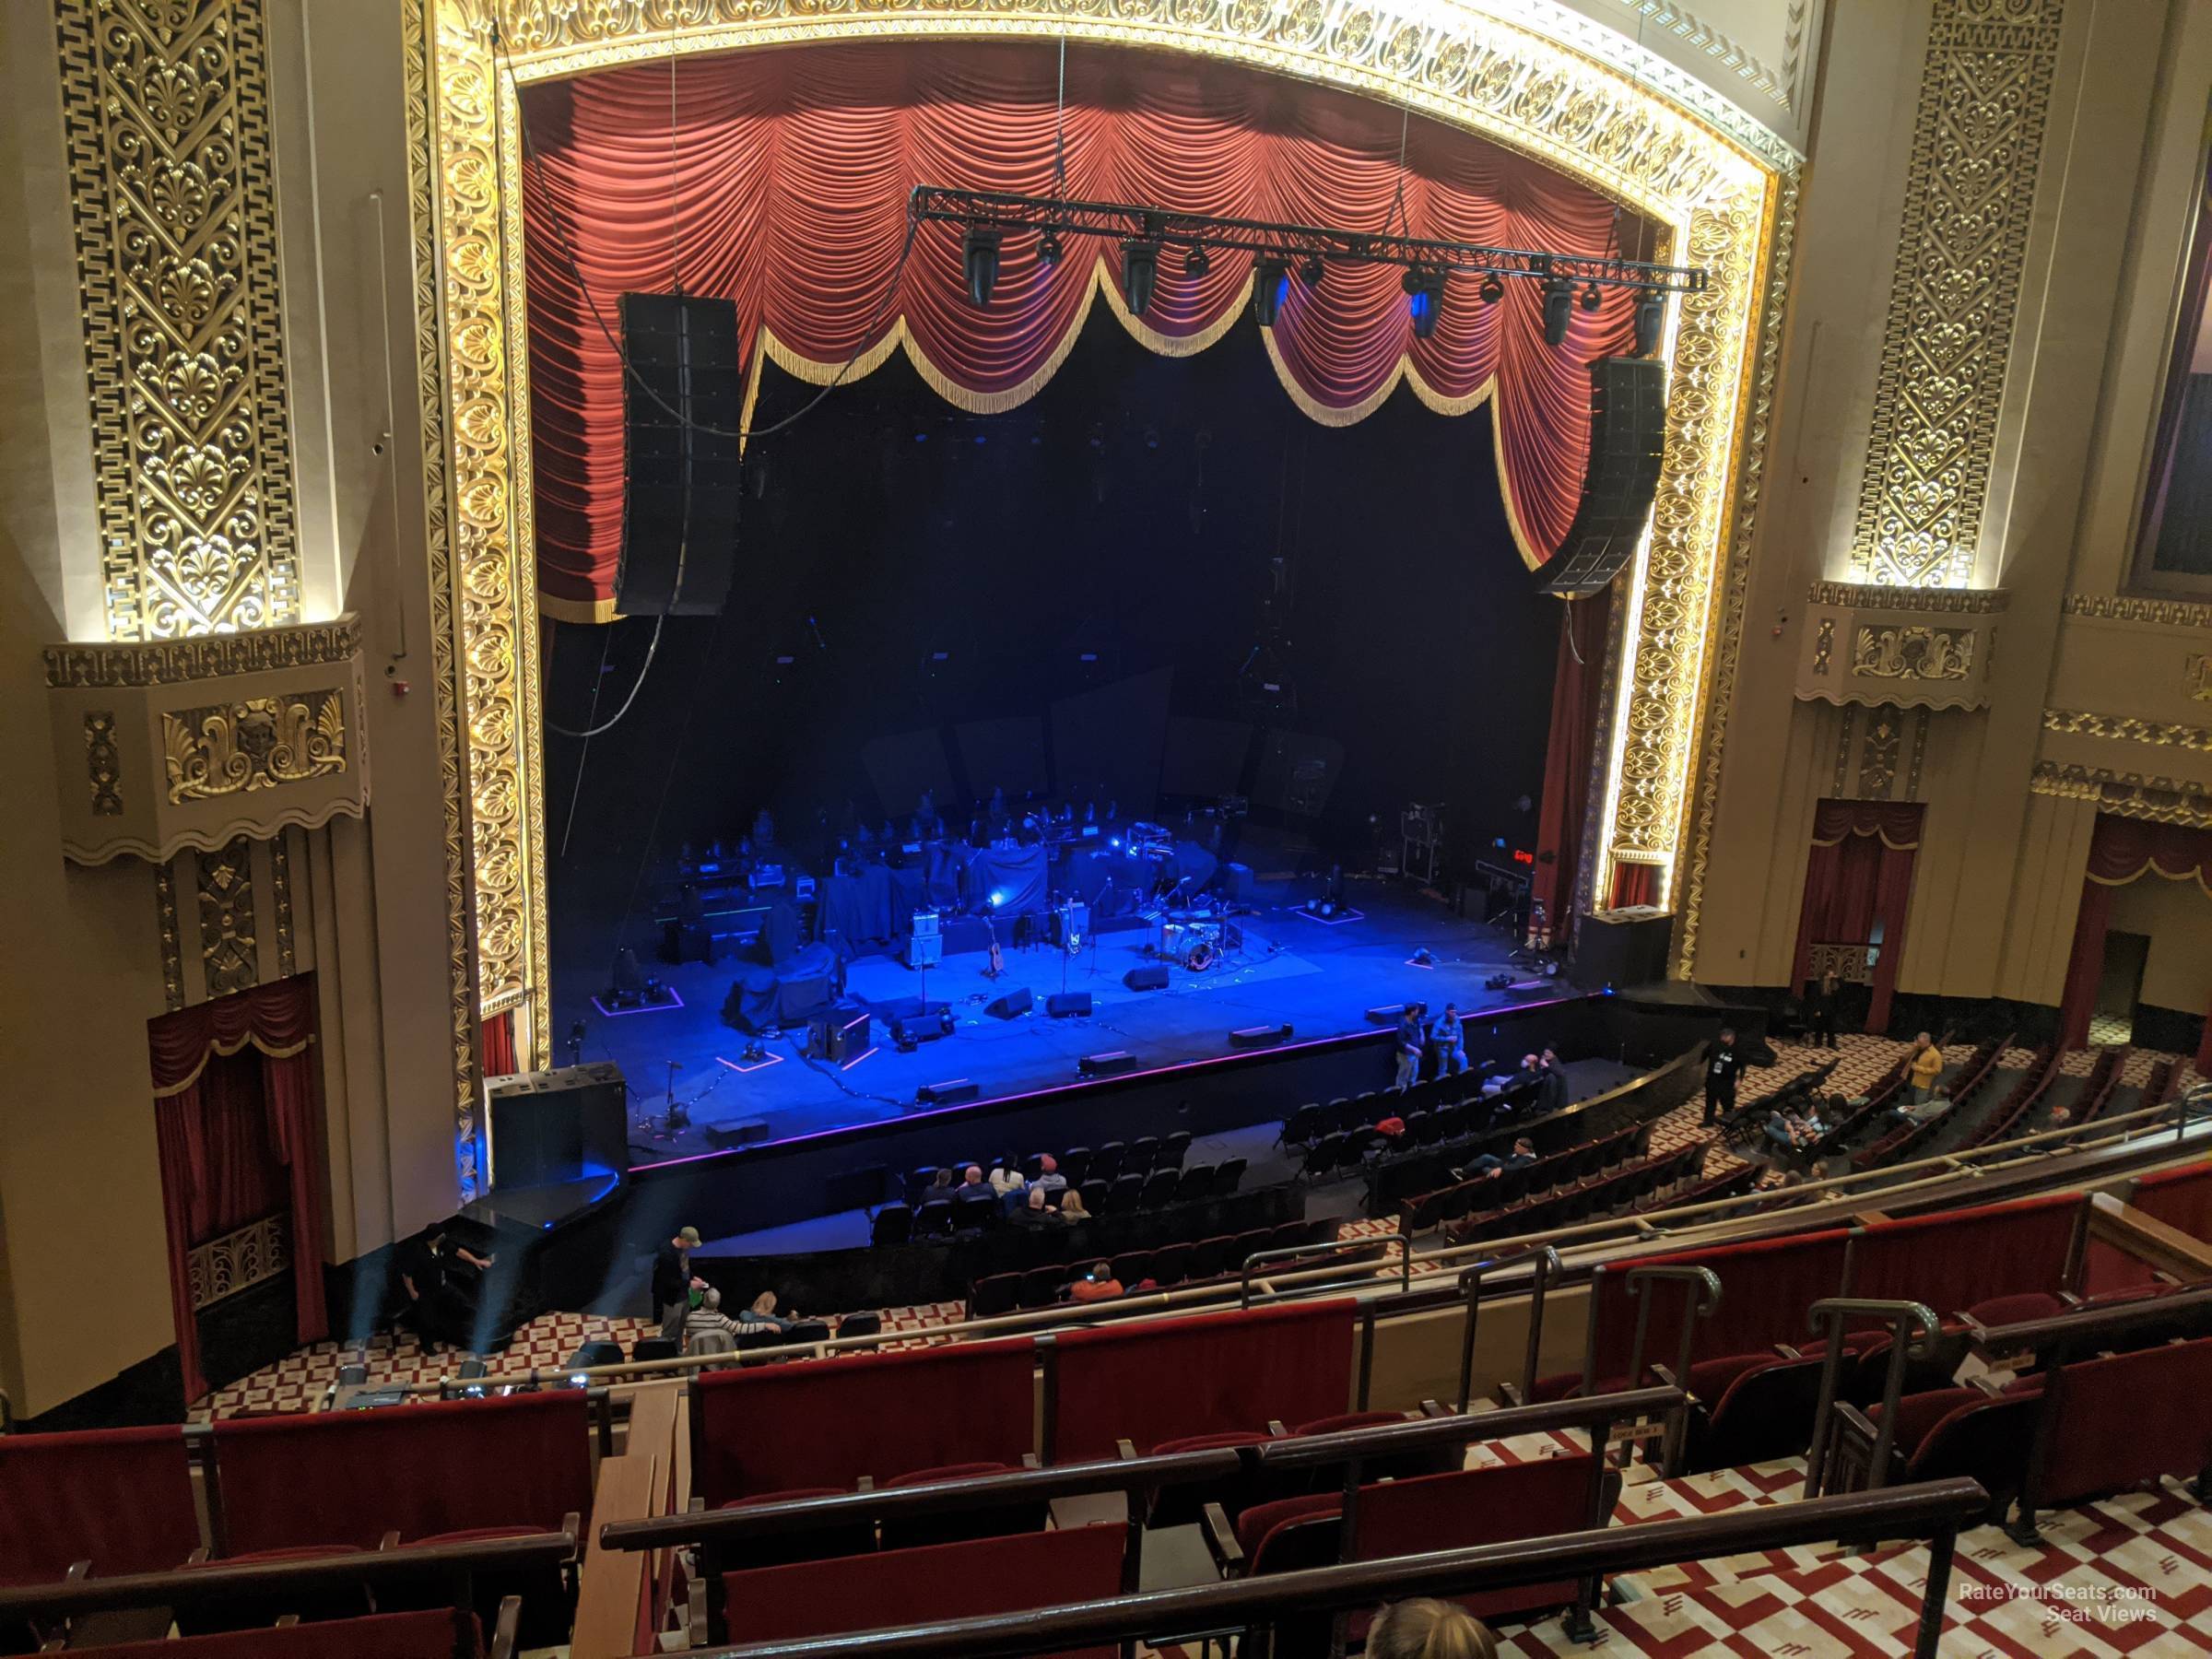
[781,182]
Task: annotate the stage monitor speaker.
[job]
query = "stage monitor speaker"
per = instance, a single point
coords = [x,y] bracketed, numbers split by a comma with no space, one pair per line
[839,1035]
[743,1133]
[1068,1004]
[1154,978]
[1628,440]
[681,483]
[1249,1037]
[924,1026]
[1012,1005]
[557,1125]
[1112,1064]
[1389,1013]
[1619,951]
[949,1092]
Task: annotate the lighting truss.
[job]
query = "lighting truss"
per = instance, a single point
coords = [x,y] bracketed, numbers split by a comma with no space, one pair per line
[1292,245]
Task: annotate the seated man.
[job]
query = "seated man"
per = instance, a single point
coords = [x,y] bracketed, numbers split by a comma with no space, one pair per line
[1919,1112]
[1451,1040]
[1489,1166]
[1097,1285]
[1048,1178]
[973,1199]
[1782,1132]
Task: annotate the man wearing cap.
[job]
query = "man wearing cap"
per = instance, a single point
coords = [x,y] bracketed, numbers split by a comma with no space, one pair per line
[672,1282]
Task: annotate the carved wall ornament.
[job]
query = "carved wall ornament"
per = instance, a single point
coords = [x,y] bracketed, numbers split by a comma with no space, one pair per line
[1955,288]
[1921,720]
[2122,607]
[1877,758]
[103,766]
[2124,728]
[1824,644]
[258,744]
[165,117]
[1913,653]
[280,898]
[170,933]
[2197,677]
[1580,95]
[209,656]
[238,1261]
[1854,964]
[1875,595]
[2130,795]
[228,949]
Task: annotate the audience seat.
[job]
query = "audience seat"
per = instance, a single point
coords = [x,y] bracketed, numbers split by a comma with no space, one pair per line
[813,1543]
[439,1633]
[118,1498]
[952,1528]
[893,1224]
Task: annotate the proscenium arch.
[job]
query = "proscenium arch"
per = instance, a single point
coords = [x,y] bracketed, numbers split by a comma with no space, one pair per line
[1578,99]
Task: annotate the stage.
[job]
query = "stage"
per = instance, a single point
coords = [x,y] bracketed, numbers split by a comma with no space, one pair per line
[1318,978]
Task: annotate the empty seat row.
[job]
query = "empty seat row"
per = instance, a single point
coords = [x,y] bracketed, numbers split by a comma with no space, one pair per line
[1625,1188]
[1509,1186]
[944,1217]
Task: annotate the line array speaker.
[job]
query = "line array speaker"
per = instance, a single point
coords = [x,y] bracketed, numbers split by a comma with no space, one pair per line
[680,485]
[1628,439]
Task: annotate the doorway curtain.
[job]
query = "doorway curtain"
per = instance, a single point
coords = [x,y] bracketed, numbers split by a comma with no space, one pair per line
[2125,850]
[1577,696]
[235,1108]
[1860,874]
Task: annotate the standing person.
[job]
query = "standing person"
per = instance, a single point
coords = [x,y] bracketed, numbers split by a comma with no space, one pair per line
[1409,1049]
[1451,1038]
[1722,1062]
[1927,1063]
[1820,1007]
[673,1281]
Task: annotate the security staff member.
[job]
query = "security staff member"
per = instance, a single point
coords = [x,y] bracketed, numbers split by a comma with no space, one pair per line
[1722,1062]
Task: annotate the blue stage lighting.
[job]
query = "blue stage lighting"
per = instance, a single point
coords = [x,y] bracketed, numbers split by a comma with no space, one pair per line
[997,900]
[1115,842]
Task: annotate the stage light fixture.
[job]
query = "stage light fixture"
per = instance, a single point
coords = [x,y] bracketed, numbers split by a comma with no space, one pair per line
[1651,321]
[1424,287]
[1311,273]
[1492,290]
[1270,282]
[1558,307]
[1593,297]
[1196,262]
[979,256]
[1049,249]
[1140,275]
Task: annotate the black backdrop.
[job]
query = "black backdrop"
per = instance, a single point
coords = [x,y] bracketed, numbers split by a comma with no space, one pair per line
[1073,594]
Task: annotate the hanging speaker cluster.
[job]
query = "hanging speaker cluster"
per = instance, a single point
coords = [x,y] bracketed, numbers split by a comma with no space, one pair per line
[683,398]
[1627,440]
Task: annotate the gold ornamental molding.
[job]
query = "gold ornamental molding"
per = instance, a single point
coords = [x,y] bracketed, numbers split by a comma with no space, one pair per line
[2122,607]
[1955,288]
[2124,728]
[1908,648]
[238,1261]
[2129,795]
[165,120]
[1581,98]
[197,742]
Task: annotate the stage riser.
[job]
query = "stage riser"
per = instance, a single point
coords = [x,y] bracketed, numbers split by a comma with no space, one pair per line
[772,1186]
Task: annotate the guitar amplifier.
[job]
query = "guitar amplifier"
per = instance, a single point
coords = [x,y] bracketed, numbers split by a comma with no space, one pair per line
[1072,921]
[924,949]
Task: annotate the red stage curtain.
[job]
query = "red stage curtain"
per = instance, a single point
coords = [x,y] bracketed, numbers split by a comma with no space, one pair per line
[207,1112]
[2123,850]
[790,171]
[499,1045]
[1634,885]
[1860,872]
[1577,685]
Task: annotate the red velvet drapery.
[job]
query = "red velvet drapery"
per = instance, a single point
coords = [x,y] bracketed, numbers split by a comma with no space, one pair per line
[1635,885]
[782,183]
[1860,872]
[199,1106]
[1576,693]
[2122,850]
[499,1045]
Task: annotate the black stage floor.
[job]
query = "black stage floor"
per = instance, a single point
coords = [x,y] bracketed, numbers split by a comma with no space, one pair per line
[1319,978]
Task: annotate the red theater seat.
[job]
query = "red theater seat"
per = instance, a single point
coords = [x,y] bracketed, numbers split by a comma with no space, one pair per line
[441,1634]
[1026,1516]
[2126,1419]
[118,1498]
[1015,1574]
[350,1476]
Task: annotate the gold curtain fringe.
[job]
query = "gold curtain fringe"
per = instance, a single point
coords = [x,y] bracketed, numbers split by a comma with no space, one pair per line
[226,1050]
[2200,874]
[1894,846]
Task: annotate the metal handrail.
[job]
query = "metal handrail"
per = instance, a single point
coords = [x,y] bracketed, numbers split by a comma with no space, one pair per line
[1366,1242]
[1936,1510]
[1902,1317]
[1431,1266]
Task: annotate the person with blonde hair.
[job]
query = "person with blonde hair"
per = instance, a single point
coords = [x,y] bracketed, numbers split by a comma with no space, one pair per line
[1425,1629]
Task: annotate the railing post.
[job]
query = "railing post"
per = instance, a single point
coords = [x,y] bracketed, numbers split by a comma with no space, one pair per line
[1539,1283]
[1937,1592]
[1902,1317]
[1580,1623]
[1470,1287]
[1366,1354]
[1703,1294]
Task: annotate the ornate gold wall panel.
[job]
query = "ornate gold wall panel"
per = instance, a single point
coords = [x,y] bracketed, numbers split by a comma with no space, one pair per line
[2120,607]
[164,107]
[258,743]
[1954,296]
[2130,795]
[1924,647]
[1599,108]
[2127,729]
[228,954]
[430,373]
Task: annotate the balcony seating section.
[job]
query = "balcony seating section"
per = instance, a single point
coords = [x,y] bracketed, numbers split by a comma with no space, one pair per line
[1163,1381]
[1903,1142]
[2180,1198]
[2113,1421]
[1563,1168]
[1016,1573]
[1476,1113]
[1629,1187]
[121,1499]
[1170,1266]
[346,1477]
[1426,1165]
[439,1633]
[828,1423]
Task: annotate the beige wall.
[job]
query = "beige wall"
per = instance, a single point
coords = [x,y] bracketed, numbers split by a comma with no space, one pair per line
[78,1175]
[1999,876]
[2176,916]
